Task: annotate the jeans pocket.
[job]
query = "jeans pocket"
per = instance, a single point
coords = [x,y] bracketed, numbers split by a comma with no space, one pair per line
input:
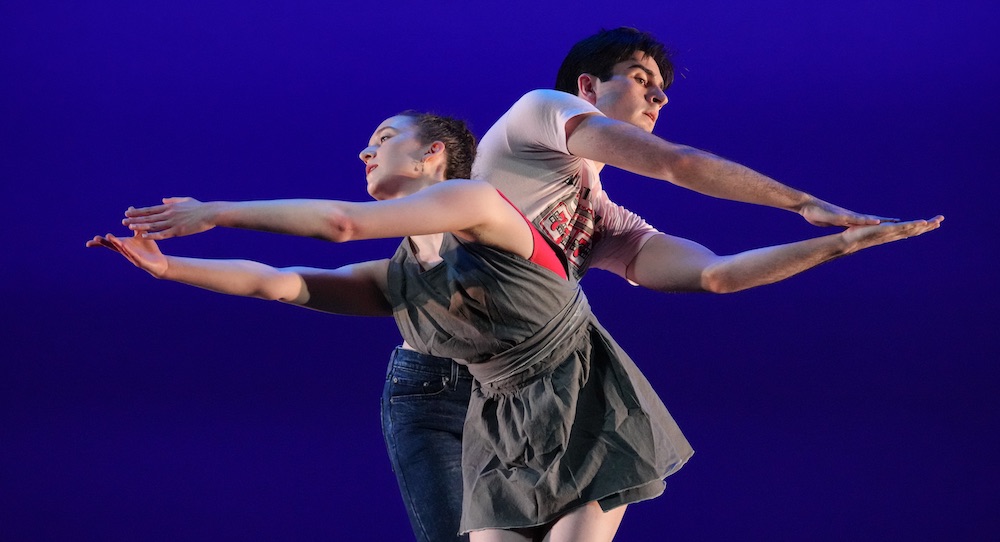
[405,384]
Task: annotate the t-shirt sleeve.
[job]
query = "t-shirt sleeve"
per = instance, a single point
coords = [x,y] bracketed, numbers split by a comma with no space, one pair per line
[538,120]
[622,235]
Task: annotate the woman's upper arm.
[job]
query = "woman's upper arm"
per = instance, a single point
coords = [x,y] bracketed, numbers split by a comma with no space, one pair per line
[356,289]
[449,206]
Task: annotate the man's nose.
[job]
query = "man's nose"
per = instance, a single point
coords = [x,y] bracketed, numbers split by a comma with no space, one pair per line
[659,97]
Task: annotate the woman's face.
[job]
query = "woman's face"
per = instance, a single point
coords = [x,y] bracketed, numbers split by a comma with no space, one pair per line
[393,157]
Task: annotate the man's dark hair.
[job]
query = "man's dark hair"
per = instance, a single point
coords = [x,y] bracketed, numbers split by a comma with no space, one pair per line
[459,141]
[598,54]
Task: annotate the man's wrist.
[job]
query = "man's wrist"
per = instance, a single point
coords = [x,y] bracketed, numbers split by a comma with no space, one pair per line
[802,201]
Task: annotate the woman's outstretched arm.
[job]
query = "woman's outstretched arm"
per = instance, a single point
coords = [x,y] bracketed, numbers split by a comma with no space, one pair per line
[447,206]
[354,289]
[472,209]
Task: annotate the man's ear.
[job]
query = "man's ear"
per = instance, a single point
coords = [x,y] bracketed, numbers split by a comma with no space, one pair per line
[585,87]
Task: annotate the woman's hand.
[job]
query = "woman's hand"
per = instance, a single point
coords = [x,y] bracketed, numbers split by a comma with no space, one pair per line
[142,252]
[177,217]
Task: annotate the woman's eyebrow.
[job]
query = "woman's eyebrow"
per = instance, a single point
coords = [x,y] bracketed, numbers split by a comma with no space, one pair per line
[379,131]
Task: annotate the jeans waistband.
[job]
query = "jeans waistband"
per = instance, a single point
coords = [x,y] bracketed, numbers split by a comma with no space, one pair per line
[411,359]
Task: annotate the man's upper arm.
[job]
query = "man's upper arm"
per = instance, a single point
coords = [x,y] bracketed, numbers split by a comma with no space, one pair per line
[622,145]
[666,263]
[543,119]
[571,126]
[622,234]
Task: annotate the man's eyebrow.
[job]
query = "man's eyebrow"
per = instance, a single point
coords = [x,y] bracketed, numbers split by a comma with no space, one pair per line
[648,71]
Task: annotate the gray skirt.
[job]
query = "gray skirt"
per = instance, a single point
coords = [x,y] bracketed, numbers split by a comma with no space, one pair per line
[584,425]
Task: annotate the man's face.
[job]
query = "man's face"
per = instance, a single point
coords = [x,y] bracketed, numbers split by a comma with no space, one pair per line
[633,93]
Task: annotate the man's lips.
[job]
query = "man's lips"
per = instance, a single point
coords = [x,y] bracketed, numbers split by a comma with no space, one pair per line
[369,168]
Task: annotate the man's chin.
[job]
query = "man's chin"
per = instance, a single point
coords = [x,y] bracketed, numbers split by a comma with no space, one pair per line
[647,124]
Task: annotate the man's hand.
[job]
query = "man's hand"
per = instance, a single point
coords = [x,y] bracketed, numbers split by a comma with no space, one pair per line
[861,237]
[821,213]
[177,217]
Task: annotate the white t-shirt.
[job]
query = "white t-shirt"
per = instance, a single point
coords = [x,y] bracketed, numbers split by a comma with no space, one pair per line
[525,156]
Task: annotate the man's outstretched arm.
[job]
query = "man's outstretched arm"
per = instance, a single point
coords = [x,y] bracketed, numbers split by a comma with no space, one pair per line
[671,264]
[622,145]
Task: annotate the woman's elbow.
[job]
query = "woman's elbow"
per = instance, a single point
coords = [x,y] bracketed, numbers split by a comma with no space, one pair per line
[340,228]
[267,293]
[284,286]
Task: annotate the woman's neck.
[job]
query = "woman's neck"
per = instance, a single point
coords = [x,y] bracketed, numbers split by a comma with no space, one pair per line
[427,248]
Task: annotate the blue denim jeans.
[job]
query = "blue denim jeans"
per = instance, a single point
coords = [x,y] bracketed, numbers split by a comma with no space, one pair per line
[424,403]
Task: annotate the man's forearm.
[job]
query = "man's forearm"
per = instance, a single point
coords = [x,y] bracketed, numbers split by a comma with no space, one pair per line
[715,176]
[622,145]
[771,264]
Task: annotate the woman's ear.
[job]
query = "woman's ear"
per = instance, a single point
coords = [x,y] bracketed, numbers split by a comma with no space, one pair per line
[435,149]
[434,158]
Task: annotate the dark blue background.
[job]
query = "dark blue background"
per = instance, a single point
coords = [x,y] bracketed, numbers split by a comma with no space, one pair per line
[854,402]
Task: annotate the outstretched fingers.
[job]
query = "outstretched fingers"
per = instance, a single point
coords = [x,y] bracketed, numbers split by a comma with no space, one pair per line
[123,248]
[149,219]
[113,244]
[158,230]
[880,219]
[176,217]
[101,241]
[868,236]
[920,227]
[850,218]
[132,212]
[822,213]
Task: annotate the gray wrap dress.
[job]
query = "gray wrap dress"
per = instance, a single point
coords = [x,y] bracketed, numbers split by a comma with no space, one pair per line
[560,415]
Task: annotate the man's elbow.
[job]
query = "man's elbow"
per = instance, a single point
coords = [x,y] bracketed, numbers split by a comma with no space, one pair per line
[716,280]
[678,165]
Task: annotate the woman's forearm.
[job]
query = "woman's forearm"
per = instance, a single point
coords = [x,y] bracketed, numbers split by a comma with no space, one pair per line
[234,277]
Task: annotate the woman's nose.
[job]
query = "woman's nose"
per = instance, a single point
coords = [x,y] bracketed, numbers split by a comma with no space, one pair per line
[366,154]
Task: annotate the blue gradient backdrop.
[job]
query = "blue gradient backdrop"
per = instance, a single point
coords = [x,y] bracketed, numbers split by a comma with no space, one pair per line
[855,402]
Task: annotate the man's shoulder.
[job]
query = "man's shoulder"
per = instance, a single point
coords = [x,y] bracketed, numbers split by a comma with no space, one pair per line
[545,110]
[542,97]
[536,123]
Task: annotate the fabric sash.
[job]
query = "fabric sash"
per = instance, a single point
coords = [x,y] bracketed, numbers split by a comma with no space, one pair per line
[548,347]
